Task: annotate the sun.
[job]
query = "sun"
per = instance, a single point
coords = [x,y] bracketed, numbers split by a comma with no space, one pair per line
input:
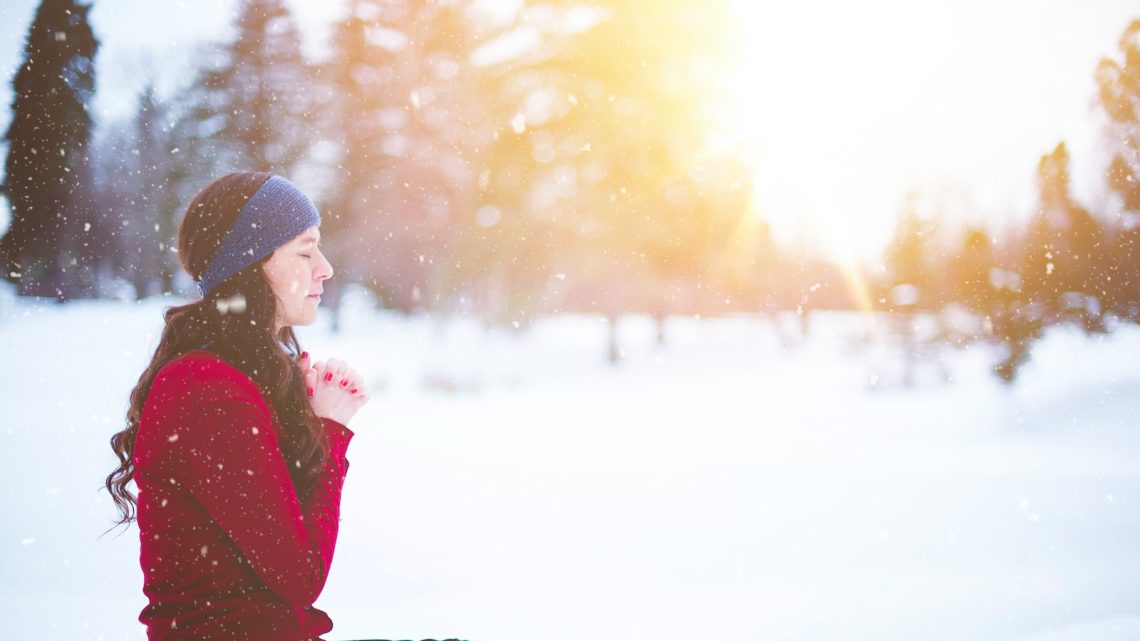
[846,110]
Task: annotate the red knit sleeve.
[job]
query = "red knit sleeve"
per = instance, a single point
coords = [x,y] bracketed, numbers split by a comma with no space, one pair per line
[223,448]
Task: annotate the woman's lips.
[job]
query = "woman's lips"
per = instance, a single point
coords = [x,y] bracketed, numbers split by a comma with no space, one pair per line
[316,297]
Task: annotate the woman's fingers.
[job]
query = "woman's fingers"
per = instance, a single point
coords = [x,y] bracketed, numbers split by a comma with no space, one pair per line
[334,371]
[347,377]
[335,390]
[349,380]
[311,381]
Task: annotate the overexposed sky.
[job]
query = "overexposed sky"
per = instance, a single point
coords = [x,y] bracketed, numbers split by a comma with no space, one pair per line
[847,105]
[858,103]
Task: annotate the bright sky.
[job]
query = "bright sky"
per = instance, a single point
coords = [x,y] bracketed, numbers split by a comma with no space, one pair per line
[857,103]
[850,104]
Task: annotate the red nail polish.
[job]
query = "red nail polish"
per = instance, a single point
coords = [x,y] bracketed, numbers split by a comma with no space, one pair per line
[328,377]
[344,383]
[304,354]
[353,391]
[310,391]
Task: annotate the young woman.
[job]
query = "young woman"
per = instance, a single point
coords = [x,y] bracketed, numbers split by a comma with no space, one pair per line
[236,444]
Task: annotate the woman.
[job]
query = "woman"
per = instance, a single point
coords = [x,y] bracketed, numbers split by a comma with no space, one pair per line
[236,446]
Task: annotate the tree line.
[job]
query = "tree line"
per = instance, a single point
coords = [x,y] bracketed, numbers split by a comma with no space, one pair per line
[1066,265]
[565,157]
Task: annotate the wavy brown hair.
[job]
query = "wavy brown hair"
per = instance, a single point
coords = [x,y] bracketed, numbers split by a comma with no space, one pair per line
[245,338]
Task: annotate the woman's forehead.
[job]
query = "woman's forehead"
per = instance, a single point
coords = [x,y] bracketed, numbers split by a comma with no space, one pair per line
[310,235]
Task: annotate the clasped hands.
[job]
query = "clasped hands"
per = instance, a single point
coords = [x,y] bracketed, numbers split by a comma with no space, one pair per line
[335,390]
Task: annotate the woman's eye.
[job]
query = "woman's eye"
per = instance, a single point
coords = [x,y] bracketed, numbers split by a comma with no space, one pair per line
[306,256]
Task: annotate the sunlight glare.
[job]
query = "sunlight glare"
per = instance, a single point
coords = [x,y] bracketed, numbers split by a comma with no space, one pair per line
[850,106]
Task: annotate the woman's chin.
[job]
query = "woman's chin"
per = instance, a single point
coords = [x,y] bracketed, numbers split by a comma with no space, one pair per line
[307,317]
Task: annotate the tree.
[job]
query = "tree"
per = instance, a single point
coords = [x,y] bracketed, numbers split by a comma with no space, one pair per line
[1064,255]
[400,108]
[250,107]
[1124,274]
[973,271]
[910,279]
[151,217]
[1118,84]
[49,247]
[1060,273]
[602,169]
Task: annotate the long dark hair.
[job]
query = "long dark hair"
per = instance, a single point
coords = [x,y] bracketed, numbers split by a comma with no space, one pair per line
[245,338]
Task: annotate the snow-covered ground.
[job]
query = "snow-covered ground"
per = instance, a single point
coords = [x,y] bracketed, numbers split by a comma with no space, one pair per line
[509,485]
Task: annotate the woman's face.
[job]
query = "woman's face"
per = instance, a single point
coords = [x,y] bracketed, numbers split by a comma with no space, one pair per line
[295,272]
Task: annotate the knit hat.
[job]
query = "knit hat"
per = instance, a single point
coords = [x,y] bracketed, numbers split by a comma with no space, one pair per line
[276,213]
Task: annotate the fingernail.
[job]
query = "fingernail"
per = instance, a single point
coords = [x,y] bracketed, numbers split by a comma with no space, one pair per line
[304,354]
[328,377]
[310,391]
[353,391]
[344,383]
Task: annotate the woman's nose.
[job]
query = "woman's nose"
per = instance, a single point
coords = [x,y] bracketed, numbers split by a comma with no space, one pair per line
[325,270]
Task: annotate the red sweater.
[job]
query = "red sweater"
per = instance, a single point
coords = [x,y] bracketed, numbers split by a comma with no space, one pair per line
[227,549]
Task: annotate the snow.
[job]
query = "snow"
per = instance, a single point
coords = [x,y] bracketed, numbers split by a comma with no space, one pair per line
[736,484]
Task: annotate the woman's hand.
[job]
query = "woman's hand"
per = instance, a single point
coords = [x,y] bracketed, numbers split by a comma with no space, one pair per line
[335,390]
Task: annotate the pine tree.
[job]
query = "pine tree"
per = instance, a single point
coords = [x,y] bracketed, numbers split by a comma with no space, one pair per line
[974,270]
[600,163]
[1065,251]
[152,223]
[49,247]
[401,101]
[1124,276]
[1118,82]
[250,108]
[1119,95]
[358,83]
[909,261]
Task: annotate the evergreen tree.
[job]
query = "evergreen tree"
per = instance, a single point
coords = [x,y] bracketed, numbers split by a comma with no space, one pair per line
[1061,269]
[49,249]
[1119,95]
[600,167]
[113,167]
[1065,253]
[167,177]
[1124,275]
[153,222]
[401,104]
[139,171]
[908,260]
[355,82]
[250,107]
[974,270]
[1118,82]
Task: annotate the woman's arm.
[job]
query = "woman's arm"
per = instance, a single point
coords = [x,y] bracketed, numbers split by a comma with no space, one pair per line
[223,448]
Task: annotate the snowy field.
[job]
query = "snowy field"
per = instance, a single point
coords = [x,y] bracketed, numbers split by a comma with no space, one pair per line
[734,484]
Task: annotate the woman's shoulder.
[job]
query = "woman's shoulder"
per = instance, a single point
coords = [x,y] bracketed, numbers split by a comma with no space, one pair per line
[202,375]
[193,403]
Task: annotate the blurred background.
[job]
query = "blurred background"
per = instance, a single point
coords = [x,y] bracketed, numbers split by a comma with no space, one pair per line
[754,319]
[508,159]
